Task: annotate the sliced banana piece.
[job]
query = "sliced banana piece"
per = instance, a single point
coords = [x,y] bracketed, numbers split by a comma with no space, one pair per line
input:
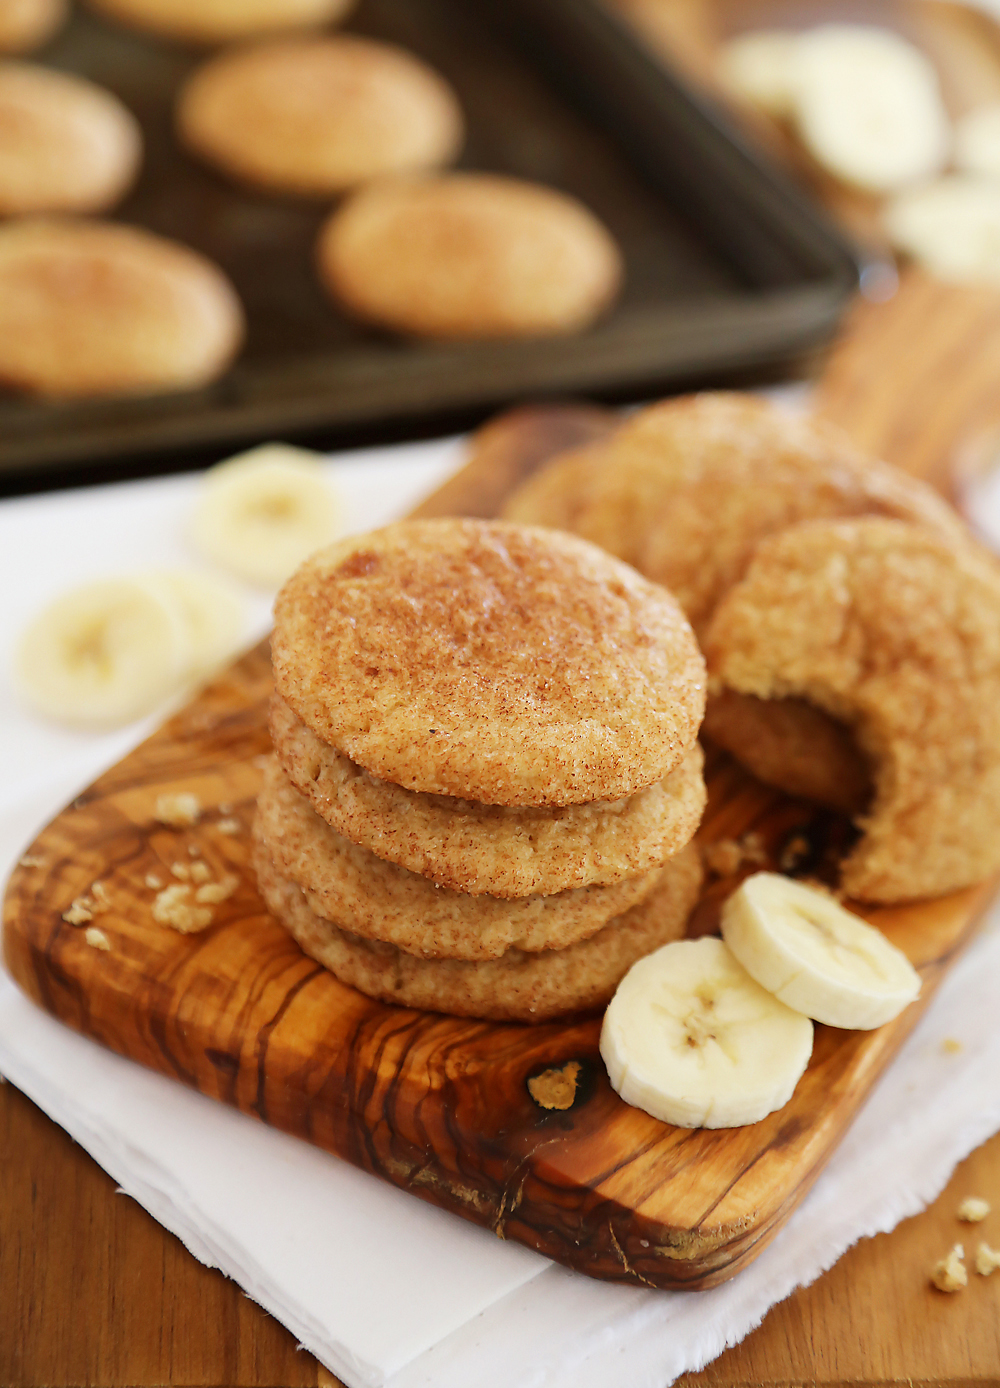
[261,513]
[104,654]
[760,67]
[827,963]
[951,227]
[214,611]
[868,106]
[692,1039]
[977,141]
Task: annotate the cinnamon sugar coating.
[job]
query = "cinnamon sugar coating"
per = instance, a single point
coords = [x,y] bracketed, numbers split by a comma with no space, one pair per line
[514,987]
[896,633]
[508,851]
[378,900]
[687,489]
[506,664]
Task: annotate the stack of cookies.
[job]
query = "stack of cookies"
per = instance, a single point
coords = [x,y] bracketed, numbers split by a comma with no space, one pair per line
[486,776]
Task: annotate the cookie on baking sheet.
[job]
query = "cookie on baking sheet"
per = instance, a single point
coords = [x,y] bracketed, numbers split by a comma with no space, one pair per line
[516,987]
[66,145]
[507,851]
[469,256]
[353,888]
[27,24]
[687,489]
[222,21]
[316,115]
[506,664]
[96,308]
[895,632]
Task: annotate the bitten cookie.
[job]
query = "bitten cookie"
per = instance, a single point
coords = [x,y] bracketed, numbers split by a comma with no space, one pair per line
[95,308]
[356,890]
[686,490]
[501,663]
[469,256]
[895,632]
[506,851]
[515,987]
[222,21]
[317,115]
[66,145]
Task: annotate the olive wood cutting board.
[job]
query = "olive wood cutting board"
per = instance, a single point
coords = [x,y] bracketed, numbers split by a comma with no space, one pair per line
[514,1127]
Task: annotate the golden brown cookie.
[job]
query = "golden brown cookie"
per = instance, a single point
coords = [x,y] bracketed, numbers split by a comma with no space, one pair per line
[507,851]
[500,663]
[27,24]
[469,256]
[222,21]
[353,888]
[896,633]
[66,145]
[517,986]
[316,115]
[793,745]
[95,308]
[687,489]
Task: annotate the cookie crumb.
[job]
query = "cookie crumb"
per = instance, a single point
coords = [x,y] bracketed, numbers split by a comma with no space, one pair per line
[200,871]
[96,937]
[31,860]
[172,907]
[723,857]
[987,1259]
[101,895]
[225,808]
[181,870]
[178,811]
[727,856]
[153,882]
[228,826]
[555,1088]
[973,1209]
[214,892]
[949,1274]
[951,1046]
[81,910]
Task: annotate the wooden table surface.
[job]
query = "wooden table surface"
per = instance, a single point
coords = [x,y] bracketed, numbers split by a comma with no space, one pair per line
[93,1291]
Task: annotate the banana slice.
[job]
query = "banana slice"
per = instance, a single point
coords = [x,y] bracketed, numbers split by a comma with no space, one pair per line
[260,514]
[104,654]
[977,141]
[803,947]
[868,106]
[951,227]
[693,1040]
[215,614]
[760,67]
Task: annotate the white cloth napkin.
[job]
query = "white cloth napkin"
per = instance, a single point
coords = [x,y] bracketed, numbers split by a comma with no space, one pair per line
[382,1288]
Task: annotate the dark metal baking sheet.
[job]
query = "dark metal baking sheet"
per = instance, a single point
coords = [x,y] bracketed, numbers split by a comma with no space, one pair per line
[727,265]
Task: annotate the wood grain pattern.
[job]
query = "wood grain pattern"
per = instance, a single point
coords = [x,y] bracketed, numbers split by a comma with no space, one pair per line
[439,1105]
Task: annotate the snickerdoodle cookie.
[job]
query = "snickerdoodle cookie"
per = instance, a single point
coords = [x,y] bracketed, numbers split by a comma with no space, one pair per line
[501,663]
[96,308]
[507,851]
[515,987]
[353,888]
[469,256]
[222,21]
[27,24]
[895,632]
[66,145]
[687,489]
[316,115]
